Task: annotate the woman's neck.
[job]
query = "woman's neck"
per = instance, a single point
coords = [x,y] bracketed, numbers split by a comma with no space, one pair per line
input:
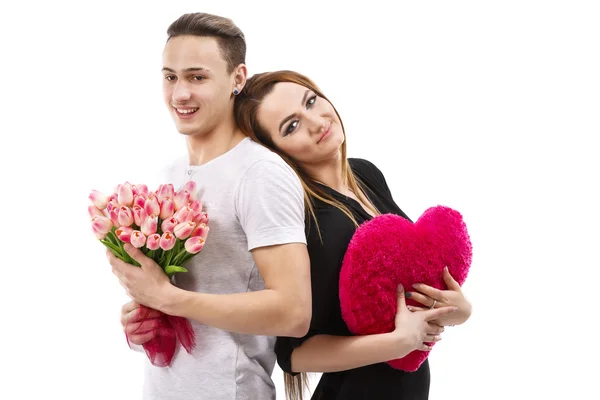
[329,173]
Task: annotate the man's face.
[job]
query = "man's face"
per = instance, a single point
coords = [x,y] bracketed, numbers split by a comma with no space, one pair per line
[196,84]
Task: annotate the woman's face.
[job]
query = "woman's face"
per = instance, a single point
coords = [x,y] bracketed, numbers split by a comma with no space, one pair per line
[301,124]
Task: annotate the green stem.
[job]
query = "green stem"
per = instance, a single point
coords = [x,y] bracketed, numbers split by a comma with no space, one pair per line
[112,237]
[114,249]
[178,260]
[171,270]
[128,258]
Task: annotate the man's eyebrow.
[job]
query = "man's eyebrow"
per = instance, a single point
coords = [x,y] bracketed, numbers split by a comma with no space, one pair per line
[191,69]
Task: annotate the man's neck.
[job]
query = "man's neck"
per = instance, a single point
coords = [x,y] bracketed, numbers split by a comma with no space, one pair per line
[207,147]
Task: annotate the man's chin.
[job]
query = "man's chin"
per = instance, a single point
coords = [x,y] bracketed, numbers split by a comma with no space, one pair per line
[186,130]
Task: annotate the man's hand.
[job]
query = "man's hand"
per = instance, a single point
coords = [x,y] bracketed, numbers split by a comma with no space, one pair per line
[148,284]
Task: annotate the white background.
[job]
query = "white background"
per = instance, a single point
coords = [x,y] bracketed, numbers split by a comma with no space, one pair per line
[491,108]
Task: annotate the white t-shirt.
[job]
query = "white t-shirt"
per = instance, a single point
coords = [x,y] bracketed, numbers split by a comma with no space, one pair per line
[253,199]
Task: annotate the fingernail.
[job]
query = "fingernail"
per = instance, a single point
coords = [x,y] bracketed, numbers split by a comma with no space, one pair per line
[454,308]
[446,268]
[399,287]
[407,294]
[416,285]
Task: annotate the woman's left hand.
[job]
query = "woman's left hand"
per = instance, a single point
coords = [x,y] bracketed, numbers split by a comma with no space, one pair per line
[431,297]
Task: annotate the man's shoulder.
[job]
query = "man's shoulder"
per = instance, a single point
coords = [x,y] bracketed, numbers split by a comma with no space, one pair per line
[260,158]
[258,152]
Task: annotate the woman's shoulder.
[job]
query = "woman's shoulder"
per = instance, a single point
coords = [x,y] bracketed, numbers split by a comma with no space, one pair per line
[368,172]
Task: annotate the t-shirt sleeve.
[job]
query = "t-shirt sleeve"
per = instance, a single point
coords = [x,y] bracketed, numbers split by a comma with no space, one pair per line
[270,205]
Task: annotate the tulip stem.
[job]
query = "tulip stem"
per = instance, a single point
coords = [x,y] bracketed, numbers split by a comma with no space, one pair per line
[128,258]
[170,270]
[112,237]
[114,249]
[180,258]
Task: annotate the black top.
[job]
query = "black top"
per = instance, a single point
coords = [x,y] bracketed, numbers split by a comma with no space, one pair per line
[377,381]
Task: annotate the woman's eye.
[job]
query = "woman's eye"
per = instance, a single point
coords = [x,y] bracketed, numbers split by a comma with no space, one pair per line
[311,102]
[291,128]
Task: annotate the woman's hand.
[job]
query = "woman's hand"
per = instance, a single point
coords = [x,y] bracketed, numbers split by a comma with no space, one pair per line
[433,298]
[415,329]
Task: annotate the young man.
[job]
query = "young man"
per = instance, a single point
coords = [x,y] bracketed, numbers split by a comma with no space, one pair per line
[251,282]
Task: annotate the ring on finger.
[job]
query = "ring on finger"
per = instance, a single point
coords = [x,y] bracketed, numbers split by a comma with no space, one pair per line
[433,305]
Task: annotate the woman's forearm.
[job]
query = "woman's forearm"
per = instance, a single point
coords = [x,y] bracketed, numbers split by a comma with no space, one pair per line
[326,353]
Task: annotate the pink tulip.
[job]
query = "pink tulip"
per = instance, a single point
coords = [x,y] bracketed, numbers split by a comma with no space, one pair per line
[181,199]
[183,213]
[165,191]
[112,204]
[125,195]
[153,242]
[168,225]
[200,230]
[101,226]
[190,187]
[94,212]
[183,230]
[152,206]
[138,239]
[99,235]
[202,218]
[114,216]
[139,215]
[167,208]
[150,225]
[124,233]
[167,241]
[113,197]
[194,244]
[99,199]
[142,190]
[125,216]
[139,200]
[196,207]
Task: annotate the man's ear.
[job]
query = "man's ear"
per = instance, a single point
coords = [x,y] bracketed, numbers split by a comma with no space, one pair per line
[240,74]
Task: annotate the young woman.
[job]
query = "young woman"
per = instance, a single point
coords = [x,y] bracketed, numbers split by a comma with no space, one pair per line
[286,112]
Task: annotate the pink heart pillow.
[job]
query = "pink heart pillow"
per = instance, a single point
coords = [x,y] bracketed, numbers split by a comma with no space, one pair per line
[389,250]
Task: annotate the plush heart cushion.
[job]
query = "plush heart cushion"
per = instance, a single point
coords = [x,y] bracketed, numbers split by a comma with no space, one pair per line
[389,250]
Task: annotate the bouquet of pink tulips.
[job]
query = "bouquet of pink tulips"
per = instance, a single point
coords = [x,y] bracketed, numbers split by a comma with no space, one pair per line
[170,228]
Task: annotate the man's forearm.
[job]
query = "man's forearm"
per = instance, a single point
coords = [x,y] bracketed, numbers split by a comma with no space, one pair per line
[264,312]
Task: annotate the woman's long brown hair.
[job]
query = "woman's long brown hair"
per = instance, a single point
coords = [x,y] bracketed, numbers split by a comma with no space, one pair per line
[247,104]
